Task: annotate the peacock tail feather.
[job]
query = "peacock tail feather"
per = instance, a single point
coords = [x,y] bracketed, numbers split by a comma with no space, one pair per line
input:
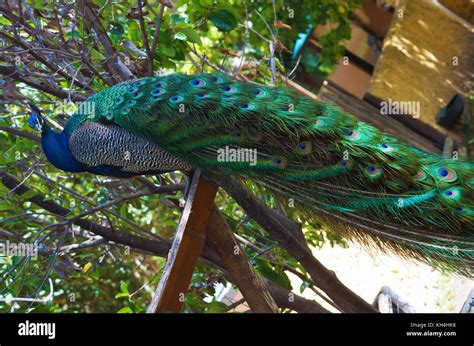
[358,181]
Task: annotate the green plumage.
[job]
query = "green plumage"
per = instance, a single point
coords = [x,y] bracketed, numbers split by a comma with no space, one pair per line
[360,182]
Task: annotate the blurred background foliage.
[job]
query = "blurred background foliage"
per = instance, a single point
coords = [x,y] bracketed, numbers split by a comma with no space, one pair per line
[232,35]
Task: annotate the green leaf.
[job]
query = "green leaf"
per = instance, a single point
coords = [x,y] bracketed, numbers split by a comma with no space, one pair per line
[214,307]
[192,35]
[134,32]
[180,36]
[168,51]
[5,206]
[124,287]
[223,20]
[125,310]
[87,267]
[121,294]
[29,194]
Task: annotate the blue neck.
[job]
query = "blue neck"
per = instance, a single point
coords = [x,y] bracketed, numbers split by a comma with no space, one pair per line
[56,148]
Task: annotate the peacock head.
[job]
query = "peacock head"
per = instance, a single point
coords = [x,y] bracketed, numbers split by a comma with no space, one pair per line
[36,120]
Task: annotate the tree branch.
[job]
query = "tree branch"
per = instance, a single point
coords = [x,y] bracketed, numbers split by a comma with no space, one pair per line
[276,225]
[145,39]
[113,63]
[12,72]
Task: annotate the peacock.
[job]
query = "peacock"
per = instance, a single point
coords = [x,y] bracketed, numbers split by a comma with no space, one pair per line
[344,174]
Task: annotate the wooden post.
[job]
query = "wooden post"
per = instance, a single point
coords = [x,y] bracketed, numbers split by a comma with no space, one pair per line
[251,286]
[186,248]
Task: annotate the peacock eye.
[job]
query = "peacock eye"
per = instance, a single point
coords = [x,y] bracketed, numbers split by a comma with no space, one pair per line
[158,85]
[447,175]
[158,91]
[344,163]
[352,134]
[200,95]
[133,90]
[228,88]
[139,83]
[176,99]
[198,82]
[374,171]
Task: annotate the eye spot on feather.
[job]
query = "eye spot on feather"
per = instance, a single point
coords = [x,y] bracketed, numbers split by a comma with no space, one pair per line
[126,110]
[119,100]
[137,95]
[157,91]
[420,175]
[452,194]
[248,106]
[228,88]
[176,99]
[304,148]
[386,147]
[200,95]
[447,175]
[280,162]
[259,93]
[198,82]
[459,209]
[109,115]
[318,122]
[131,103]
[352,134]
[133,90]
[373,171]
[345,164]
[139,83]
[159,85]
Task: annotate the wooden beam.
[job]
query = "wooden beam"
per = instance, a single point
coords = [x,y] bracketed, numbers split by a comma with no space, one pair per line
[366,112]
[186,248]
[371,115]
[235,261]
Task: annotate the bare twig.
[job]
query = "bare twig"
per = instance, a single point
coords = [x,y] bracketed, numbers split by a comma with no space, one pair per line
[149,53]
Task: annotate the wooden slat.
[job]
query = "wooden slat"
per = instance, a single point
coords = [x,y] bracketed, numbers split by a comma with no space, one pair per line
[186,248]
[366,112]
[370,114]
[235,261]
